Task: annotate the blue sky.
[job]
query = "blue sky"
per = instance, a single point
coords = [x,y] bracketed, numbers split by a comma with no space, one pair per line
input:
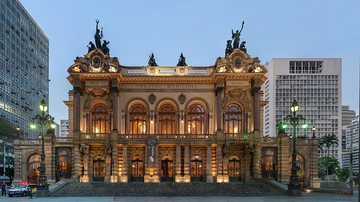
[199,29]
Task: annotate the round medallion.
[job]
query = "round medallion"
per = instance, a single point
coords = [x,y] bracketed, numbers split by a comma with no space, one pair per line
[238,63]
[96,61]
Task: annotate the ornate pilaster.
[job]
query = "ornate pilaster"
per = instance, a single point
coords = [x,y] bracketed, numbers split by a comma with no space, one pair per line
[114,97]
[219,96]
[77,107]
[255,92]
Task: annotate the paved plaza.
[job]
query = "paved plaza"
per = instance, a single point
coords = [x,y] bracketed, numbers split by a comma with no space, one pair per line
[307,197]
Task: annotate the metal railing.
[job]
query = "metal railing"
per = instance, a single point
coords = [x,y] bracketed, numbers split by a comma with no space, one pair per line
[168,136]
[94,136]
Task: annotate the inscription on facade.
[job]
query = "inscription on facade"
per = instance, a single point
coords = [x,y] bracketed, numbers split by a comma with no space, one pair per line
[238,83]
[167,86]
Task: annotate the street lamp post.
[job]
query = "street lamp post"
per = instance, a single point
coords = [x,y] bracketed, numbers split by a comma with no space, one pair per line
[294,185]
[44,119]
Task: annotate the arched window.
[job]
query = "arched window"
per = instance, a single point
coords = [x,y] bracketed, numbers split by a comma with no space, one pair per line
[167,119]
[138,119]
[233,119]
[33,168]
[196,120]
[100,119]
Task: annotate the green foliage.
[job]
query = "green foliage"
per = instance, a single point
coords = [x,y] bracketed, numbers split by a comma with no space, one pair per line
[327,166]
[7,130]
[328,141]
[343,174]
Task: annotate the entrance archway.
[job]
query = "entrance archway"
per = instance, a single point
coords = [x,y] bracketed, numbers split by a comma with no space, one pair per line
[234,169]
[33,172]
[167,170]
[137,170]
[99,169]
[197,169]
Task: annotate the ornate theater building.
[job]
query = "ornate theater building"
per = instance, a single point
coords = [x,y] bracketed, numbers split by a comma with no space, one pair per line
[166,123]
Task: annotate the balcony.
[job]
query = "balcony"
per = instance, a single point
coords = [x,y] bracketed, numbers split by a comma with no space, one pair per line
[95,137]
[168,136]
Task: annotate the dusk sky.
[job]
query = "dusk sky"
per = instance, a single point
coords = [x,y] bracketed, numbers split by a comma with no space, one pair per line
[199,29]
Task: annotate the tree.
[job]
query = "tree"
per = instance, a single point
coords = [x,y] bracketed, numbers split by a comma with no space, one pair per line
[343,174]
[328,141]
[327,166]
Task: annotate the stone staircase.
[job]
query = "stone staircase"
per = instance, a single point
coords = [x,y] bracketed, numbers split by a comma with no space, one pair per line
[249,188]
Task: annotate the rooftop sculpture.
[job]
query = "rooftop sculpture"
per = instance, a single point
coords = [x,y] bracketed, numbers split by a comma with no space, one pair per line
[98,36]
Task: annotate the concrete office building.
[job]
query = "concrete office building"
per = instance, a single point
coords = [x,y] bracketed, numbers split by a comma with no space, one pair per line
[347,116]
[64,128]
[352,146]
[24,66]
[316,85]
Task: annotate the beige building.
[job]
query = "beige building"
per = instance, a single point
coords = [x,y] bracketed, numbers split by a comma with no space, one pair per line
[166,123]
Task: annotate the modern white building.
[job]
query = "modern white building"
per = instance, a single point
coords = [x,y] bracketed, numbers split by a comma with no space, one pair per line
[347,116]
[352,146]
[315,83]
[64,128]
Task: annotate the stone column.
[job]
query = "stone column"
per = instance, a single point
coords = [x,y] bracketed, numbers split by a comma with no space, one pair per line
[178,177]
[50,158]
[257,161]
[209,177]
[255,92]
[186,176]
[247,156]
[314,178]
[114,163]
[219,163]
[77,163]
[124,174]
[283,158]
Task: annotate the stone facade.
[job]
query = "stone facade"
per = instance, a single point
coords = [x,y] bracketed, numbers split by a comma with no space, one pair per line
[161,123]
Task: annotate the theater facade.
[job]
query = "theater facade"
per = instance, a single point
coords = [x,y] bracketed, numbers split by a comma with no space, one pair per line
[165,123]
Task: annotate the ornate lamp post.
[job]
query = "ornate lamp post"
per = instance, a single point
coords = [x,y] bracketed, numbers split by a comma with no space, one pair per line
[294,119]
[44,120]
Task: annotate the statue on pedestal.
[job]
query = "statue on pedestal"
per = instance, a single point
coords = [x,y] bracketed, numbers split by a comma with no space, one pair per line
[229,48]
[181,61]
[152,61]
[98,35]
[242,46]
[236,36]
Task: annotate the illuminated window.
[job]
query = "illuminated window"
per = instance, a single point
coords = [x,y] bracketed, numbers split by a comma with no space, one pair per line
[167,119]
[233,119]
[138,119]
[100,119]
[196,120]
